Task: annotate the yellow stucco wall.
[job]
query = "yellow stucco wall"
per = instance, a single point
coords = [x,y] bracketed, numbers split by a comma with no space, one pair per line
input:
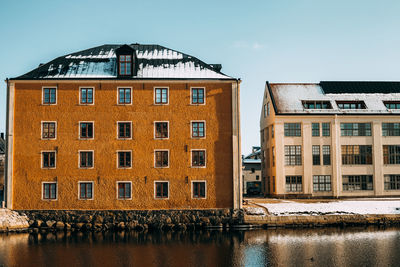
[27,146]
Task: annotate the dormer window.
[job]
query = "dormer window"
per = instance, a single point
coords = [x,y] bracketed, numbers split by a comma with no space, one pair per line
[392,104]
[311,104]
[351,104]
[125,65]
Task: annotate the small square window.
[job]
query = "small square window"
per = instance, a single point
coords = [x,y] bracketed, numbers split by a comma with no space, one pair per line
[124,130]
[86,96]
[124,159]
[48,130]
[86,159]
[161,189]
[161,130]
[86,130]
[161,96]
[124,190]
[124,96]
[161,160]
[199,189]
[49,96]
[198,96]
[198,129]
[49,159]
[198,158]
[86,190]
[50,191]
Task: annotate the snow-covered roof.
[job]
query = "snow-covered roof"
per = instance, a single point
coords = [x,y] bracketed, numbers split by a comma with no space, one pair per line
[152,61]
[251,161]
[287,98]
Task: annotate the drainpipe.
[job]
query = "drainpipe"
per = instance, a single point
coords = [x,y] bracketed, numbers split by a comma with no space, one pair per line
[4,204]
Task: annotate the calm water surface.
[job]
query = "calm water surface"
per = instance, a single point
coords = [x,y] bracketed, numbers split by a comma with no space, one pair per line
[299,247]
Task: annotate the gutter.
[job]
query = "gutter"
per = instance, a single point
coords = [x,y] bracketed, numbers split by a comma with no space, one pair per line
[6,145]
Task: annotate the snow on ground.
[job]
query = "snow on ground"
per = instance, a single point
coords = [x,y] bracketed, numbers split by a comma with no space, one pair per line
[334,207]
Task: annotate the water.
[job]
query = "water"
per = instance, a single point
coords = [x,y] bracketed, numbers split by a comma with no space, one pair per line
[282,247]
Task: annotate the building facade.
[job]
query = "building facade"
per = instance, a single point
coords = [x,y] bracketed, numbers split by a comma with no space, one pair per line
[332,139]
[123,127]
[251,164]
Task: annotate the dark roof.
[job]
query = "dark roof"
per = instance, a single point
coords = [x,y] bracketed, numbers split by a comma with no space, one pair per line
[360,87]
[152,61]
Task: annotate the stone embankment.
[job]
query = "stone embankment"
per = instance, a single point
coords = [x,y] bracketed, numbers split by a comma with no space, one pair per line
[57,220]
[12,221]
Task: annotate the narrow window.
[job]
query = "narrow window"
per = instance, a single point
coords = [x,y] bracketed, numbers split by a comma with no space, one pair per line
[49,159]
[49,95]
[197,95]
[48,130]
[161,96]
[86,159]
[315,129]
[124,190]
[198,129]
[199,189]
[50,191]
[326,154]
[268,109]
[86,190]
[198,158]
[316,155]
[86,130]
[125,65]
[273,156]
[161,159]
[124,96]
[161,189]
[124,130]
[326,129]
[161,130]
[124,159]
[272,131]
[86,96]
[265,110]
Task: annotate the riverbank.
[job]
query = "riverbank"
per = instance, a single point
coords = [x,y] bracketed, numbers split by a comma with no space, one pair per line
[11,221]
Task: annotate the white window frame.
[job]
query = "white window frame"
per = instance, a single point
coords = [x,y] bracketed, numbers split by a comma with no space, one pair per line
[116,184]
[118,159]
[49,182]
[169,158]
[79,130]
[158,138]
[154,95]
[191,129]
[124,138]
[155,190]
[41,130]
[124,87]
[79,189]
[205,158]
[80,96]
[49,87]
[55,160]
[191,92]
[205,182]
[79,159]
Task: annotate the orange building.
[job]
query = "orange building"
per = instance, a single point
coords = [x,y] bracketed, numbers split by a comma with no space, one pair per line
[123,127]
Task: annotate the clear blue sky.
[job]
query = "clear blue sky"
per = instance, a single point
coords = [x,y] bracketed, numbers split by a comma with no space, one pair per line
[278,41]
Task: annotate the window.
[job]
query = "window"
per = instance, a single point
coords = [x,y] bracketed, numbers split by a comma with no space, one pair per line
[125,65]
[292,129]
[351,104]
[321,183]
[326,154]
[390,129]
[49,96]
[267,158]
[272,131]
[198,96]
[392,104]
[86,96]
[198,158]
[161,158]
[161,189]
[273,156]
[161,96]
[50,191]
[253,170]
[316,155]
[198,129]
[48,130]
[124,130]
[86,159]
[86,130]
[292,155]
[267,133]
[355,129]
[317,105]
[124,190]
[357,182]
[199,189]
[315,129]
[262,136]
[161,130]
[273,184]
[293,183]
[326,129]
[49,159]
[265,110]
[392,182]
[124,159]
[85,190]
[391,154]
[124,96]
[355,155]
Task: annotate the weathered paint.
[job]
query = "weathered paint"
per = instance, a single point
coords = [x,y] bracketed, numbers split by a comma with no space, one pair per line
[27,174]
